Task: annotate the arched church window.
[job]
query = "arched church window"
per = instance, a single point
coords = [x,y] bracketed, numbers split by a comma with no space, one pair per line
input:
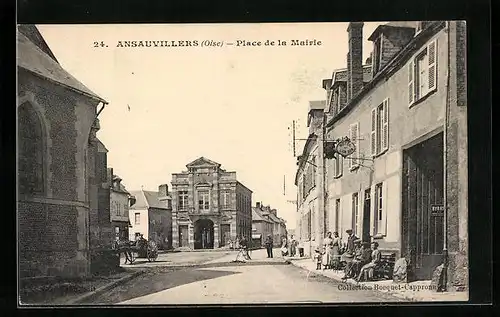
[30,151]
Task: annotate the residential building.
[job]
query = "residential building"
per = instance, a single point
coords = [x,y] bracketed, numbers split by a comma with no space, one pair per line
[101,231]
[151,216]
[309,180]
[57,149]
[120,201]
[405,184]
[261,226]
[210,207]
[274,225]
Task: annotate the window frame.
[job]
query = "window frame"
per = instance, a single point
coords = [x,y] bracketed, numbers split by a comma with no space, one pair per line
[379,205]
[355,213]
[35,164]
[202,194]
[338,166]
[354,162]
[183,200]
[137,218]
[226,200]
[430,51]
[379,135]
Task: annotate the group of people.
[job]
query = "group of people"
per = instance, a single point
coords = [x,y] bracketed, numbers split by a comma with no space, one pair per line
[360,259]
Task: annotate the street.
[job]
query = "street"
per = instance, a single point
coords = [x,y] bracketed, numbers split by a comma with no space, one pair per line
[215,279]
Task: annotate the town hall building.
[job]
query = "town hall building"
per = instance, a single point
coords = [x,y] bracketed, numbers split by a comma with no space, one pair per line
[210,207]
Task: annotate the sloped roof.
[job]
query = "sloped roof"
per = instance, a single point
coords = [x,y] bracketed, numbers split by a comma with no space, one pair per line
[34,35]
[340,75]
[101,147]
[396,24]
[257,216]
[274,218]
[146,199]
[32,58]
[202,161]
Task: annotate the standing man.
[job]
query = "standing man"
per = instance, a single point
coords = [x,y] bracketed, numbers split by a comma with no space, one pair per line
[269,246]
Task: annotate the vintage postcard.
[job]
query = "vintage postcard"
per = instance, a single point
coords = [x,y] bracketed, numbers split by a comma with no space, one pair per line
[249,163]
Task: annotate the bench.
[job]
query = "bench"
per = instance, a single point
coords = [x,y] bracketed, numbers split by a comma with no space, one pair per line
[386,267]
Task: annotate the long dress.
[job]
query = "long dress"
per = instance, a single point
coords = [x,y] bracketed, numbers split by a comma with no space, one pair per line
[335,252]
[328,247]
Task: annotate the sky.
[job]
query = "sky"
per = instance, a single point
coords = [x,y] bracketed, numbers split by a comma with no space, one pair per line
[231,104]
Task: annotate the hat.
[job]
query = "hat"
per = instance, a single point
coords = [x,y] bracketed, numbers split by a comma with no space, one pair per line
[348,231]
[357,241]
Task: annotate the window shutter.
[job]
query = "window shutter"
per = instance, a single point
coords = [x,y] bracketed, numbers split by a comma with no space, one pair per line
[373,139]
[357,152]
[351,138]
[411,83]
[385,125]
[383,225]
[432,58]
[373,210]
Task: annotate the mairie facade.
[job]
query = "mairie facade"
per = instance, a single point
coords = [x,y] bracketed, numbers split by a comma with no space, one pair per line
[210,207]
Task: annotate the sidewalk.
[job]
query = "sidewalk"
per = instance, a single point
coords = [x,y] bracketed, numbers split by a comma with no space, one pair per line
[419,291]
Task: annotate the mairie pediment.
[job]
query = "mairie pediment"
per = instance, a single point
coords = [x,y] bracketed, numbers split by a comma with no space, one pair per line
[203,162]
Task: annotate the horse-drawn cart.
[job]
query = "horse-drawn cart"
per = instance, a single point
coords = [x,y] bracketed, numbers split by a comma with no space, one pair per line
[142,249]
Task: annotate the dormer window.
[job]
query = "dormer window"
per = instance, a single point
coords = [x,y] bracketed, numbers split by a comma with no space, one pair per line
[377,55]
[421,25]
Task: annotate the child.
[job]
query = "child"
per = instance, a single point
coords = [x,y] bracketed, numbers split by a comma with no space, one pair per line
[319,258]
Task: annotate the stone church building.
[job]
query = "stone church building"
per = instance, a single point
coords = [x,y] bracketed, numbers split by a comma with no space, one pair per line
[210,207]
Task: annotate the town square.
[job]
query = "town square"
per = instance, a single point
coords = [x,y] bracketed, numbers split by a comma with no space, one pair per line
[288,163]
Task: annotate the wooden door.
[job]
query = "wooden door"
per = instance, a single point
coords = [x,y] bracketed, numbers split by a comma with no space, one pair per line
[225,232]
[423,226]
[183,236]
[366,215]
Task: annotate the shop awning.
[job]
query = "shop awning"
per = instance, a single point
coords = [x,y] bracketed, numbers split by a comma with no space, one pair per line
[256,236]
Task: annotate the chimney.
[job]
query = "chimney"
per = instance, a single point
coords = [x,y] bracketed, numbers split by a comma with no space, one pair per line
[162,192]
[258,205]
[109,176]
[355,59]
[273,211]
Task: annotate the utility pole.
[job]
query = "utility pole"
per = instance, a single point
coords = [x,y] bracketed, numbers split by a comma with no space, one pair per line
[293,135]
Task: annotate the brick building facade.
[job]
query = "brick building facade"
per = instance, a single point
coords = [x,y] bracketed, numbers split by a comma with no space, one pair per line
[210,206]
[57,150]
[405,185]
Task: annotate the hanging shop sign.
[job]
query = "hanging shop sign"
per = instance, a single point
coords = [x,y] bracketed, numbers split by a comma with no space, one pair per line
[345,147]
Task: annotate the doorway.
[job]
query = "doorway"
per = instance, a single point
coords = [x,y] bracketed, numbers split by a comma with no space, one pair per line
[423,218]
[204,234]
[225,233]
[183,236]
[366,216]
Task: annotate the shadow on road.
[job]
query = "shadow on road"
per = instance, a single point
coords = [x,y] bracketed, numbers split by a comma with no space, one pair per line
[154,281]
[231,264]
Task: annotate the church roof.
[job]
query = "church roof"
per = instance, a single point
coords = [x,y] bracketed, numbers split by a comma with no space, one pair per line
[35,60]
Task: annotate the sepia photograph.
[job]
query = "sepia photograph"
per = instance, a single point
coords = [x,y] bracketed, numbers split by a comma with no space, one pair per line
[242,163]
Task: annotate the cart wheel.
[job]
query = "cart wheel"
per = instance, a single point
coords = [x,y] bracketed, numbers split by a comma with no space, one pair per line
[150,256]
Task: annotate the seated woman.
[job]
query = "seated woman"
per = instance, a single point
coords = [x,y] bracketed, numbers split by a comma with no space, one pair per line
[366,272]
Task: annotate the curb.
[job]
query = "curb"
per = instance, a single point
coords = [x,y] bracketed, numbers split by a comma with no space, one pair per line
[105,288]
